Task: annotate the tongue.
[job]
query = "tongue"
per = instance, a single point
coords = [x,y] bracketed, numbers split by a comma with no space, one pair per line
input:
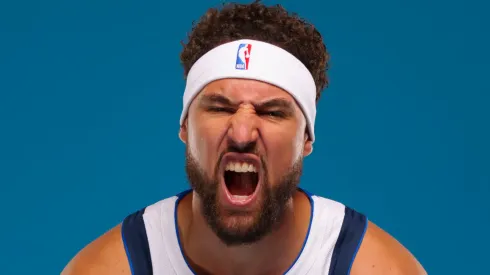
[240,184]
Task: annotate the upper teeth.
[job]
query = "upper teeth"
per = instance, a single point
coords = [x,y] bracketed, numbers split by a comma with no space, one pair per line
[240,167]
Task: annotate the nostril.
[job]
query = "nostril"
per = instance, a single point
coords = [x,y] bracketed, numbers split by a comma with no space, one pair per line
[242,147]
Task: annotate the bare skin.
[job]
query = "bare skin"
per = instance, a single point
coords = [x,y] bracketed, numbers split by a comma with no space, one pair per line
[247,111]
[105,255]
[382,254]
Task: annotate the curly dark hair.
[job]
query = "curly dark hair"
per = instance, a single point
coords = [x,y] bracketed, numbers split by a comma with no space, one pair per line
[256,21]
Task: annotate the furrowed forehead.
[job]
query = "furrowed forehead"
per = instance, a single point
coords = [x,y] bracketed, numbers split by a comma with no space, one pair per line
[244,90]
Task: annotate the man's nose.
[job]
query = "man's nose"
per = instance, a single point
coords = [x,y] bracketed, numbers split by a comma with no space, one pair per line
[243,129]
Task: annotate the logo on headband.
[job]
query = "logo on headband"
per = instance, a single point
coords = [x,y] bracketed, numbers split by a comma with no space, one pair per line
[243,56]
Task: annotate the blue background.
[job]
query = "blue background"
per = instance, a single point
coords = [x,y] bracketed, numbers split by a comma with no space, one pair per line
[90,96]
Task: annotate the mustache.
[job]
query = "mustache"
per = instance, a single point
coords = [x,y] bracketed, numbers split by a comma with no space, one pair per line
[243,148]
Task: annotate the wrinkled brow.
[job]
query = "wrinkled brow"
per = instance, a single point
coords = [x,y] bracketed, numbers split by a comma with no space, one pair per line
[269,104]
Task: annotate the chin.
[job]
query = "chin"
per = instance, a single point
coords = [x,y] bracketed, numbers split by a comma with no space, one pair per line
[238,203]
[245,226]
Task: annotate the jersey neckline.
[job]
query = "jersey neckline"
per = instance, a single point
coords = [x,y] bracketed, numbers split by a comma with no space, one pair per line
[183,262]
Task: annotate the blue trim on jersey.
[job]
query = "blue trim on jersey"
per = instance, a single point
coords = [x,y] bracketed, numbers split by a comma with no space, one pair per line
[312,210]
[135,240]
[350,237]
[308,194]
[128,254]
[182,195]
[358,246]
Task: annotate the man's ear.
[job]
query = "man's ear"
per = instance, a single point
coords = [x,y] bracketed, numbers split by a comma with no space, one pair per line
[183,132]
[308,148]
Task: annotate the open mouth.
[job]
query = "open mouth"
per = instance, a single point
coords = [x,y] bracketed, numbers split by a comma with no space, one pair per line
[241,180]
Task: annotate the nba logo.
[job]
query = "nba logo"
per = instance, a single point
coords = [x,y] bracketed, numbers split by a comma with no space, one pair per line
[243,56]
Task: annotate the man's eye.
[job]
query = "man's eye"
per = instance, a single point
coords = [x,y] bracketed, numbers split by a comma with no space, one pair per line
[220,110]
[277,114]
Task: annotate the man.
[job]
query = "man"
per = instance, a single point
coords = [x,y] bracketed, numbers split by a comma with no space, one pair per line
[254,75]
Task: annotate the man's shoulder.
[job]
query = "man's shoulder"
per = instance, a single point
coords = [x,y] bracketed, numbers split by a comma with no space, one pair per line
[380,253]
[320,201]
[330,207]
[165,203]
[105,255]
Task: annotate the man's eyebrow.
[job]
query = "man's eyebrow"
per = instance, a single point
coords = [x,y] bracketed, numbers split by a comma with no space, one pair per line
[276,103]
[215,99]
[211,99]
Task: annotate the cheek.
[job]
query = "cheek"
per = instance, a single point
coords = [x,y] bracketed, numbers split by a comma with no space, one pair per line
[284,147]
[203,142]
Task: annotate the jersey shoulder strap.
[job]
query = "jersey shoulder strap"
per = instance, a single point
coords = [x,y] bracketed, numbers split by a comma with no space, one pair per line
[136,244]
[349,240]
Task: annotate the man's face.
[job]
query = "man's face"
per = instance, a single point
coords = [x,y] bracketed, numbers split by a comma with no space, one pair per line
[245,143]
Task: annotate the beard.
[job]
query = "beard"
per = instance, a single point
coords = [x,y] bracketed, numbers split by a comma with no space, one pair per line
[239,227]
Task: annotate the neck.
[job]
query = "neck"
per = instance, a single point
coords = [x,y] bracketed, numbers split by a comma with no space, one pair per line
[207,254]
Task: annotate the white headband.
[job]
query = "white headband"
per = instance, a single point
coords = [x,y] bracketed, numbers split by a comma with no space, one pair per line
[251,59]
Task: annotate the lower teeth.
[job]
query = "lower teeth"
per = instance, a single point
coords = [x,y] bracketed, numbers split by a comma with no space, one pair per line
[238,197]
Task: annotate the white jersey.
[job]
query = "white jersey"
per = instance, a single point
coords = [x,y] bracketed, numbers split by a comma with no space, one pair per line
[152,242]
